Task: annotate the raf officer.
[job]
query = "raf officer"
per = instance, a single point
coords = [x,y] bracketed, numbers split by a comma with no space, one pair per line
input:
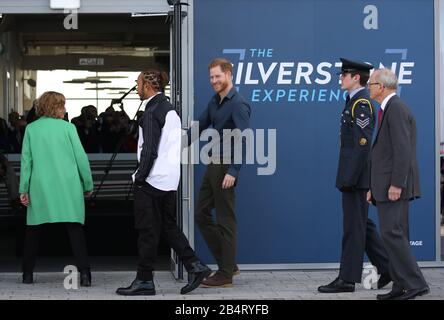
[353,179]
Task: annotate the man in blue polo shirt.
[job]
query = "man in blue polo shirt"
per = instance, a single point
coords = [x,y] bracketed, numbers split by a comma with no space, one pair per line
[227,109]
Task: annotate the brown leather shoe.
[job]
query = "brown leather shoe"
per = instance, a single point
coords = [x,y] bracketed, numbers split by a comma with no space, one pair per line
[217,281]
[236,271]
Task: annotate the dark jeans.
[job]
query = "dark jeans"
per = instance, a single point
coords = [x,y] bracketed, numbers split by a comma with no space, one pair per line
[78,244]
[220,236]
[155,216]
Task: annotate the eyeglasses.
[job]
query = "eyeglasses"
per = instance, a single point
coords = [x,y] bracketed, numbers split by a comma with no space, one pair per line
[372,83]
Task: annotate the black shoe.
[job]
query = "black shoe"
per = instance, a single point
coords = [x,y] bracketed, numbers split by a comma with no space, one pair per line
[28,277]
[85,278]
[384,280]
[413,293]
[197,273]
[138,288]
[338,285]
[390,295]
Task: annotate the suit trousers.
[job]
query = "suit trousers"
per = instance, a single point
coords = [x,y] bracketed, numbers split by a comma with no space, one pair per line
[359,235]
[219,235]
[404,270]
[78,244]
[155,216]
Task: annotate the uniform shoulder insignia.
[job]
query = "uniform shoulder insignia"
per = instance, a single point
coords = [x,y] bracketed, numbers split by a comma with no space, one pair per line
[364,104]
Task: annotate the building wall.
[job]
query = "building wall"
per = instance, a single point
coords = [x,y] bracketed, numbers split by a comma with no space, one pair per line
[294,216]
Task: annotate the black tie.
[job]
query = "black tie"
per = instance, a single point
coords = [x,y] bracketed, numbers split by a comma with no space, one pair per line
[347,99]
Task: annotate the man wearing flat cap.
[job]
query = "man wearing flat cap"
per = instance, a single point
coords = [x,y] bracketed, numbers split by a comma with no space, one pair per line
[353,180]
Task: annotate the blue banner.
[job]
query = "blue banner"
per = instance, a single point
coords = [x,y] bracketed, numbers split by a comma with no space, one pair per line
[286,57]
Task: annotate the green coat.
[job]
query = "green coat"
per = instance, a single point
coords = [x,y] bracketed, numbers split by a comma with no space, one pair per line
[54,172]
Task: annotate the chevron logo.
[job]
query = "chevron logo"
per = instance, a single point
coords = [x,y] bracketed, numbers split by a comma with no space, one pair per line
[363,123]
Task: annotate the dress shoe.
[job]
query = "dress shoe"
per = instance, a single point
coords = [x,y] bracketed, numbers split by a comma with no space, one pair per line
[138,288]
[217,281]
[338,285]
[28,277]
[390,295]
[384,280]
[196,275]
[413,293]
[85,278]
[236,271]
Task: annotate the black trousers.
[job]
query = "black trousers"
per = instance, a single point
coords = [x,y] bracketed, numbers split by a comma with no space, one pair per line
[394,224]
[155,216]
[78,244]
[359,235]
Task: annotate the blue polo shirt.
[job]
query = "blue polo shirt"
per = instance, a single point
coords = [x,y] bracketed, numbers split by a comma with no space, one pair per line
[233,112]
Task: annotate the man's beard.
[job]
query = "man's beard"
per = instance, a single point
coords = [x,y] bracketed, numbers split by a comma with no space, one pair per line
[142,96]
[223,86]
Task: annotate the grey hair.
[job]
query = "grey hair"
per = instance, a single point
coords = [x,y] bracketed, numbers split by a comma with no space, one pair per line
[387,78]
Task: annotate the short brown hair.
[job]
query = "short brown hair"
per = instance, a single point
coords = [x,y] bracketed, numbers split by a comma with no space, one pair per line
[50,103]
[156,79]
[224,64]
[363,76]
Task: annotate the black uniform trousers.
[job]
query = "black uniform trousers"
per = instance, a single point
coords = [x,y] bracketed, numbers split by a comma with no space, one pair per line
[155,216]
[78,244]
[394,224]
[359,235]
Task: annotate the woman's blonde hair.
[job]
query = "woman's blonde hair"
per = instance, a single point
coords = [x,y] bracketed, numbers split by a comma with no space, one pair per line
[50,103]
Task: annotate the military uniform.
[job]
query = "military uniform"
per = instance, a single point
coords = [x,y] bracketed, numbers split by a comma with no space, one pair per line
[353,180]
[357,124]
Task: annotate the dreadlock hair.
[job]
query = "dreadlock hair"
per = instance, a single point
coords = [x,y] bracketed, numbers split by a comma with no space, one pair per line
[156,79]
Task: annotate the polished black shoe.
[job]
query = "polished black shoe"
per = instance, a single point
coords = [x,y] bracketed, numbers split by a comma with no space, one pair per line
[85,278]
[338,285]
[413,293]
[28,277]
[384,280]
[138,288]
[197,273]
[390,295]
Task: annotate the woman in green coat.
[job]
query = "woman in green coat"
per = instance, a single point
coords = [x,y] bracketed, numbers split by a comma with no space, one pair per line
[54,177]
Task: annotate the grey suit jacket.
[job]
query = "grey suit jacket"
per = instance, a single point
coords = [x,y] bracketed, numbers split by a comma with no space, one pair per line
[393,155]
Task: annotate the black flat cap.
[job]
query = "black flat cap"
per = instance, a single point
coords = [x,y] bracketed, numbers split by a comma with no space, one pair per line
[350,66]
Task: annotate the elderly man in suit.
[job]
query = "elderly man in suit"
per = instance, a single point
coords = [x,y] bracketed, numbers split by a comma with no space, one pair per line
[394,182]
